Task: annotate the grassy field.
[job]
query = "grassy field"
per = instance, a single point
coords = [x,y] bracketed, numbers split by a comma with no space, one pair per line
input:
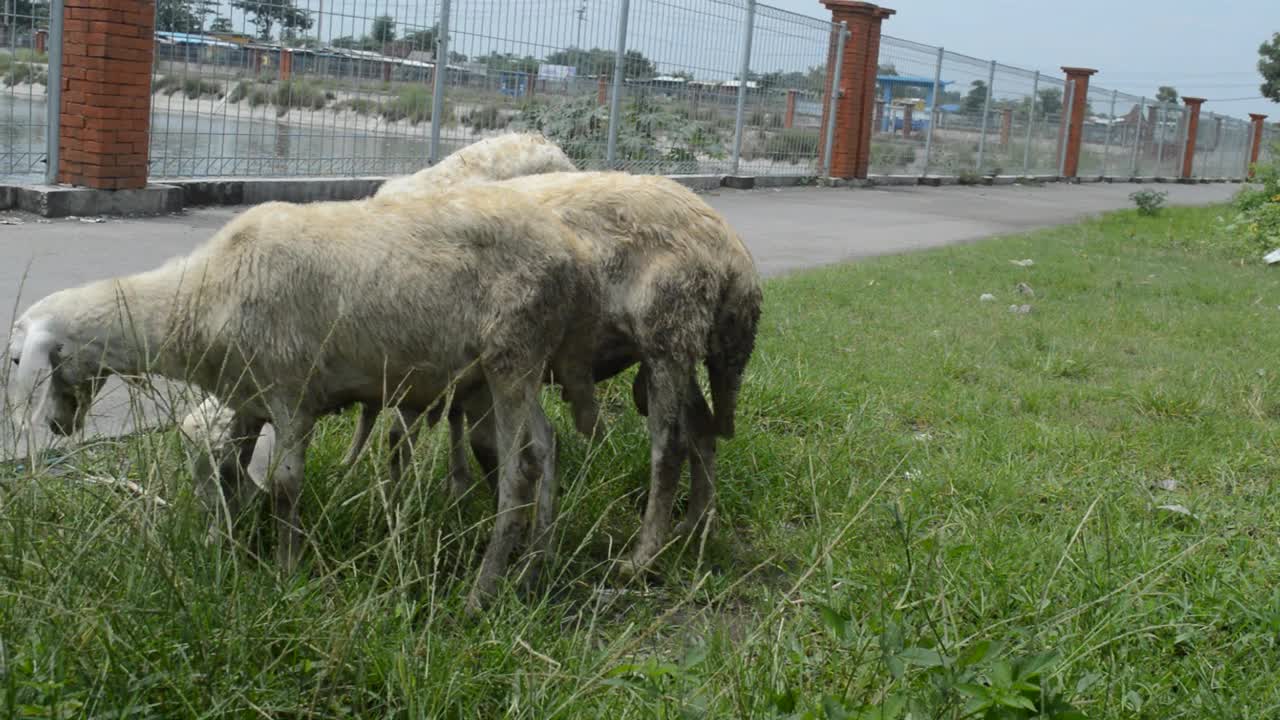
[933,506]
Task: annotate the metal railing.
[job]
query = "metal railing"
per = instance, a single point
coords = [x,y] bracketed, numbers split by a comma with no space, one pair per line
[350,88]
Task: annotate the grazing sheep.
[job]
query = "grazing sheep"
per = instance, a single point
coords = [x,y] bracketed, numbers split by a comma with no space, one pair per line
[680,288]
[292,311]
[500,157]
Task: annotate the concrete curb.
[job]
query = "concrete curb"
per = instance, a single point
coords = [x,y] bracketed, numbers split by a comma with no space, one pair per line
[161,198]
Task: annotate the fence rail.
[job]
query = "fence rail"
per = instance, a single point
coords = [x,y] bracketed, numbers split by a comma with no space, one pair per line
[374,87]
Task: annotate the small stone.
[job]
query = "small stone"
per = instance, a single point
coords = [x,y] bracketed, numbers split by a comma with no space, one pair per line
[1023,263]
[1025,289]
[1020,309]
[1168,484]
[1272,257]
[987,297]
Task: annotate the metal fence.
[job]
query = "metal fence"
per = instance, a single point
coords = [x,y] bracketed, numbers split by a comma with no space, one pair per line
[707,86]
[24,75]
[350,87]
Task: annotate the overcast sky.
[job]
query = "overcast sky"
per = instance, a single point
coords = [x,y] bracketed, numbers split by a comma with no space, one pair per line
[1203,49]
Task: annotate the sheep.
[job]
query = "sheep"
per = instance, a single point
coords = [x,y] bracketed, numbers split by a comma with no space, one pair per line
[500,157]
[291,311]
[681,288]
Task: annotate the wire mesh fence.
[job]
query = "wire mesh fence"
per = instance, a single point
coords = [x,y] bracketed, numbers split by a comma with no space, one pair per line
[24,74]
[384,87]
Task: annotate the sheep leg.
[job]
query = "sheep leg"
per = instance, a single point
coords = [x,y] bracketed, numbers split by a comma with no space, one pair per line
[364,427]
[512,410]
[640,390]
[483,436]
[668,386]
[548,484]
[702,462]
[284,477]
[223,485]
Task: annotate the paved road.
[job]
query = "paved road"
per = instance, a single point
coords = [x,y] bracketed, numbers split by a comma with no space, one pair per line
[787,229]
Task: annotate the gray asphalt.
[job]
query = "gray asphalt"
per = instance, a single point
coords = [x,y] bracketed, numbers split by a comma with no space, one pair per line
[787,230]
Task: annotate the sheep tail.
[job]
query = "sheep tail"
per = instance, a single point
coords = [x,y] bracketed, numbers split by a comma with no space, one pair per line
[733,338]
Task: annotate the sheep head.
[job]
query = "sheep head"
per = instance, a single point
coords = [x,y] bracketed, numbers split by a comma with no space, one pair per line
[56,379]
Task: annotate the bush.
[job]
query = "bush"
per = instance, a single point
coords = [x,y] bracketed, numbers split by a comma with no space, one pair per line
[486,117]
[413,103]
[298,94]
[18,73]
[256,94]
[191,87]
[361,106]
[890,155]
[1257,216]
[792,145]
[1149,202]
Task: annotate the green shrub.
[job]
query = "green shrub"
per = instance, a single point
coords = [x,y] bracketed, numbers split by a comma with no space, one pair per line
[298,94]
[890,155]
[256,94]
[792,145]
[1257,211]
[413,103]
[18,73]
[486,117]
[361,106]
[1149,201]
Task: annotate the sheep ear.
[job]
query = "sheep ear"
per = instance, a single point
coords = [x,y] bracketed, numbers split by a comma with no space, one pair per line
[35,370]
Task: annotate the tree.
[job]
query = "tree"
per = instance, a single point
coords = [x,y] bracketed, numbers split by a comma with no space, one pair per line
[24,12]
[384,29]
[266,13]
[600,61]
[976,100]
[421,39]
[1050,101]
[221,25]
[177,16]
[1166,94]
[1269,66]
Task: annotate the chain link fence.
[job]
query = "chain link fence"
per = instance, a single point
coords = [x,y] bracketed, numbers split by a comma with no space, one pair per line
[384,87]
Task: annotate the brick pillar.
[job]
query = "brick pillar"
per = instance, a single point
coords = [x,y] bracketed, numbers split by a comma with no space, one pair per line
[906,120]
[42,41]
[107,49]
[851,146]
[1078,78]
[532,84]
[1006,127]
[1193,128]
[1256,146]
[286,64]
[789,119]
[386,72]
[602,91]
[1153,117]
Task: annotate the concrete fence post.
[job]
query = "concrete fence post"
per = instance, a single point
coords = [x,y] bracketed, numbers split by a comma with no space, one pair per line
[53,100]
[439,78]
[615,98]
[854,104]
[829,105]
[986,113]
[1078,79]
[934,113]
[105,108]
[1031,123]
[1256,143]
[1193,128]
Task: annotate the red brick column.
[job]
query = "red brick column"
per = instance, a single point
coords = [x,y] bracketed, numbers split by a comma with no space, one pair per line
[1006,126]
[42,41]
[854,108]
[789,119]
[1078,78]
[386,72]
[1256,148]
[107,49]
[602,91]
[1193,128]
[531,85]
[906,120]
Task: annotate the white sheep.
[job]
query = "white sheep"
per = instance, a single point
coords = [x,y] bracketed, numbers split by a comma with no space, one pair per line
[501,157]
[292,311]
[681,288]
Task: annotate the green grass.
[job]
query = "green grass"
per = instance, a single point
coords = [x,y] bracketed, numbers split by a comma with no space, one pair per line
[191,87]
[927,493]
